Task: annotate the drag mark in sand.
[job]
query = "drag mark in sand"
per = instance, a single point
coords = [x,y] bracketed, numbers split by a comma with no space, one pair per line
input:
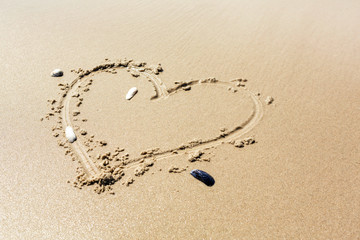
[89,166]
[230,135]
[106,175]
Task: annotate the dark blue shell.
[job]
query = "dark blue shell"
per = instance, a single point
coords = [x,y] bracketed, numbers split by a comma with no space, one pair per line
[203,176]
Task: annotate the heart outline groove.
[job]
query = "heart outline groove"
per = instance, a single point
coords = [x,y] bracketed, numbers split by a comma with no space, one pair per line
[92,174]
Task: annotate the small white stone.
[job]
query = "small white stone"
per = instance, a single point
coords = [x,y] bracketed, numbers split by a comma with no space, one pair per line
[70,135]
[269,100]
[131,93]
[57,73]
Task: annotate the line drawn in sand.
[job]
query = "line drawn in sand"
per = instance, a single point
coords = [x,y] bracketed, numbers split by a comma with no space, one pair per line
[92,173]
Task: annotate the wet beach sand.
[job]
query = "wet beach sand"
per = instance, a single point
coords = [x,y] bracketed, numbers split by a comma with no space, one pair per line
[281,143]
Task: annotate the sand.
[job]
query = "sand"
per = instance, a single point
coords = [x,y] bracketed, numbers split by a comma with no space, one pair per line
[261,95]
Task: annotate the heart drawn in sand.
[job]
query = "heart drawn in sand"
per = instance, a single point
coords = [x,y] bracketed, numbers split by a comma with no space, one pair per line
[202,114]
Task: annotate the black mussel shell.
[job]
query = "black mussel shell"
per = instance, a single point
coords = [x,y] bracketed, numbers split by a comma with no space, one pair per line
[204,177]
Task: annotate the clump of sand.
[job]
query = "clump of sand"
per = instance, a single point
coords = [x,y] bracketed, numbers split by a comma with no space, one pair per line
[176,169]
[241,143]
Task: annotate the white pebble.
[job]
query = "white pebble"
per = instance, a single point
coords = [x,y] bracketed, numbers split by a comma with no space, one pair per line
[269,100]
[131,93]
[70,135]
[57,73]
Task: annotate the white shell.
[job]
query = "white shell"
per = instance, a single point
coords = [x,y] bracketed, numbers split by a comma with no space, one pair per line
[70,135]
[131,93]
[57,73]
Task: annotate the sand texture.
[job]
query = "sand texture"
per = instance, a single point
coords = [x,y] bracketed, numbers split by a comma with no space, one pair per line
[262,95]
